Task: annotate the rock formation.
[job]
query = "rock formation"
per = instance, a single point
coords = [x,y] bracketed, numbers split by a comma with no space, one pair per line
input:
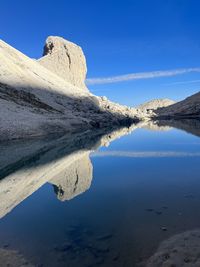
[180,250]
[35,101]
[49,96]
[13,258]
[188,108]
[150,107]
[65,59]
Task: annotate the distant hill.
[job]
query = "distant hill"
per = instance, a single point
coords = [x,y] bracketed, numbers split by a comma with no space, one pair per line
[187,108]
[155,104]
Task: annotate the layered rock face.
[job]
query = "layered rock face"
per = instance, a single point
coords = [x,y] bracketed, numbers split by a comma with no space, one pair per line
[65,59]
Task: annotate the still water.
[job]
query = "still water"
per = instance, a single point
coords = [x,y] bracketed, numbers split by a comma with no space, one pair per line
[130,197]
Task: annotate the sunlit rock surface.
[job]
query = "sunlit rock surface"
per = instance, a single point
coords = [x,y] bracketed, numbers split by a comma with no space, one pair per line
[35,101]
[65,59]
[155,104]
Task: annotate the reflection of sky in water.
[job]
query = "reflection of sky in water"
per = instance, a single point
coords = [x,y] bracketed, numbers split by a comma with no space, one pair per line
[120,219]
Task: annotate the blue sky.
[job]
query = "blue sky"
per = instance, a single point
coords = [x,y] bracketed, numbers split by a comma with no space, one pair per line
[118,38]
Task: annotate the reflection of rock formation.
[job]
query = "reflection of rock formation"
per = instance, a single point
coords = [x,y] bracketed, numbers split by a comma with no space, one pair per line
[64,163]
[179,250]
[189,125]
[75,180]
[153,126]
[19,185]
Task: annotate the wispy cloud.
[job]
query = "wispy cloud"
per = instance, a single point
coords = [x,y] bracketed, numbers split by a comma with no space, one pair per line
[183,82]
[140,75]
[144,154]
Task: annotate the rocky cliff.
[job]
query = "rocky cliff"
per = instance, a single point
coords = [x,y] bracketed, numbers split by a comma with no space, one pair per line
[38,98]
[48,96]
[65,59]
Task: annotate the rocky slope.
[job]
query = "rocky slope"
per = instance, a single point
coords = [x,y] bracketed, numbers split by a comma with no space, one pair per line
[150,107]
[188,108]
[39,101]
[156,103]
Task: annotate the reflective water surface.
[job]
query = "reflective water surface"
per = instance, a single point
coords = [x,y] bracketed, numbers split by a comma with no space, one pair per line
[126,197]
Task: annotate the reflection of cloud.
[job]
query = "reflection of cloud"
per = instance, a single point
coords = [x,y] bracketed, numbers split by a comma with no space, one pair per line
[141,75]
[144,154]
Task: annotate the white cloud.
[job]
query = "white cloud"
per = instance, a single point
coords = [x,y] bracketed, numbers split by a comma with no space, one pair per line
[183,82]
[140,75]
[144,154]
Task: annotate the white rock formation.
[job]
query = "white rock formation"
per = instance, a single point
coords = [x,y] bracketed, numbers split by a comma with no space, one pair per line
[34,101]
[155,104]
[66,59]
